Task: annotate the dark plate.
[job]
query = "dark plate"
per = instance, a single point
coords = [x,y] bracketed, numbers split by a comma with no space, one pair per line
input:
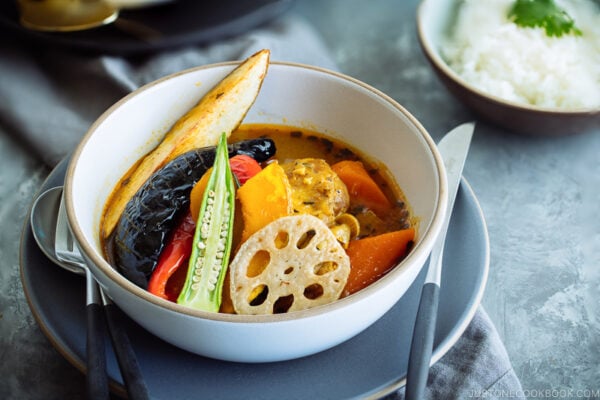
[182,22]
[374,360]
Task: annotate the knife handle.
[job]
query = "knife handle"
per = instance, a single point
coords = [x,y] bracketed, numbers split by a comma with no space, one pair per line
[422,342]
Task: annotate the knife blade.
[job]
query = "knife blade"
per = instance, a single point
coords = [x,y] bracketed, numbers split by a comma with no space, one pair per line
[454,148]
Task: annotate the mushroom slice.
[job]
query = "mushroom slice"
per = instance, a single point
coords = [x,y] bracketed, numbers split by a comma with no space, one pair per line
[294,263]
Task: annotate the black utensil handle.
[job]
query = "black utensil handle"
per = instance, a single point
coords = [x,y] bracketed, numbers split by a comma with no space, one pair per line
[128,365]
[96,378]
[422,342]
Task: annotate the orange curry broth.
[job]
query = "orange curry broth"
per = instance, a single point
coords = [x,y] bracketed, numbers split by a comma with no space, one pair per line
[293,143]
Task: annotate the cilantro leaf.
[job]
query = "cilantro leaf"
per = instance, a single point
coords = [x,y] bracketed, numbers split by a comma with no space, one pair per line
[544,14]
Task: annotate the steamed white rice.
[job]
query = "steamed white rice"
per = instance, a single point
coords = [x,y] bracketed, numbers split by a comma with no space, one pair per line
[524,65]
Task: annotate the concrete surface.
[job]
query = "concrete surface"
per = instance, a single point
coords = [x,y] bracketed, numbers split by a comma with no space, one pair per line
[540,197]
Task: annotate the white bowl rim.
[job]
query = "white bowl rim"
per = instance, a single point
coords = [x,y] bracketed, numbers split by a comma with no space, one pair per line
[434,55]
[428,235]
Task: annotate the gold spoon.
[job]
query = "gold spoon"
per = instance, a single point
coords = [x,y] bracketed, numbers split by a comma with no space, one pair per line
[66,15]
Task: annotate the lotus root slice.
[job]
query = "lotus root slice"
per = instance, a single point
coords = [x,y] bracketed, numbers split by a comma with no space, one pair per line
[294,263]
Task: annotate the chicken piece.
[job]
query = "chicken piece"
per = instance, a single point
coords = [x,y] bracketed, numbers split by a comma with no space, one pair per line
[316,189]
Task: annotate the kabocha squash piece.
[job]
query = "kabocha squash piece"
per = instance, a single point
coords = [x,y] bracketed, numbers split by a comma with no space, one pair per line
[212,241]
[372,257]
[264,198]
[363,190]
[220,110]
[197,194]
[155,209]
[243,167]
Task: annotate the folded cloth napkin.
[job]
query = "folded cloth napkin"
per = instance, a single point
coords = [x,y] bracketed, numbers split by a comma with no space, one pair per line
[477,367]
[50,97]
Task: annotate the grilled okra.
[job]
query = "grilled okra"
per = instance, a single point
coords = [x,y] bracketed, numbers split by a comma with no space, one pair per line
[212,240]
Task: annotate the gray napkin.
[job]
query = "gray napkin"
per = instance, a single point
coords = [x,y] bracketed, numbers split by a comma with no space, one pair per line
[477,367]
[51,97]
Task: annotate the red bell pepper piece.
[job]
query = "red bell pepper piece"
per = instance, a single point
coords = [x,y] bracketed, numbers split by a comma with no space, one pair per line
[244,167]
[164,281]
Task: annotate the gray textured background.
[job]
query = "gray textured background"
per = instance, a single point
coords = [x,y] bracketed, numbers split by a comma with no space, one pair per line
[540,197]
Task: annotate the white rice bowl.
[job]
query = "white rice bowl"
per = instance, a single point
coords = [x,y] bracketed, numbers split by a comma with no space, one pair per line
[524,65]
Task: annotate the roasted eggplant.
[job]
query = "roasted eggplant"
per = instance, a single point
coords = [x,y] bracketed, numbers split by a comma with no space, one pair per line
[157,206]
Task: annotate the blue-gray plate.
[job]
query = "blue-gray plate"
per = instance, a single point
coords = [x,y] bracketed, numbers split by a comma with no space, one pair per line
[373,361]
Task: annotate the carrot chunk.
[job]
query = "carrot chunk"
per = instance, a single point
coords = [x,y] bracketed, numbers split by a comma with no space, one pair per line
[372,257]
[363,190]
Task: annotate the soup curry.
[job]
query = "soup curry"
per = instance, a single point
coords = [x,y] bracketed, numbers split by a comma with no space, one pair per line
[307,220]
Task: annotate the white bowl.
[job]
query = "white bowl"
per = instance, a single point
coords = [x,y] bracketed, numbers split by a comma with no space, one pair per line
[292,94]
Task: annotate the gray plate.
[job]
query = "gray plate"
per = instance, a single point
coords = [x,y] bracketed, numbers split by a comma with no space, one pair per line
[375,359]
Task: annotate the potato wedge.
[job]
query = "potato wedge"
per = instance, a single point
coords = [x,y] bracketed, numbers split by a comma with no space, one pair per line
[220,110]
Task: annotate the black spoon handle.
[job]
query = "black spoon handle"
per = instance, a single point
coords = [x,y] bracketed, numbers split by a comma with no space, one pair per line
[135,384]
[96,376]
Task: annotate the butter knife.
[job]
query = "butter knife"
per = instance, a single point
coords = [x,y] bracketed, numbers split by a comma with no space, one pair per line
[454,148]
